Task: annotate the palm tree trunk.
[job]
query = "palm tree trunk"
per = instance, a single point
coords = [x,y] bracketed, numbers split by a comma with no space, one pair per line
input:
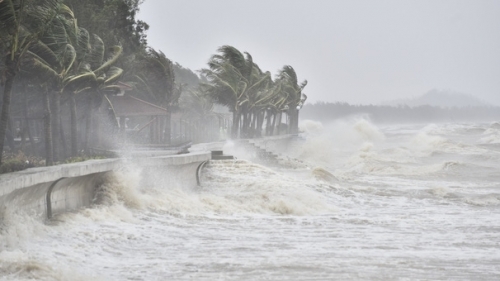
[260,123]
[48,131]
[295,118]
[275,118]
[63,140]
[242,124]
[88,125]
[268,123]
[236,124]
[11,135]
[247,118]
[23,136]
[56,105]
[168,128]
[278,122]
[30,138]
[243,131]
[251,131]
[74,131]
[10,74]
[161,129]
[26,126]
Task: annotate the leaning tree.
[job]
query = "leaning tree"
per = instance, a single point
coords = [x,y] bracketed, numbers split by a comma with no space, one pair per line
[291,95]
[22,23]
[233,78]
[156,79]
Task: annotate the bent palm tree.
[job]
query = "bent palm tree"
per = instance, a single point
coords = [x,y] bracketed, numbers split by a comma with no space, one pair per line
[157,79]
[22,22]
[54,58]
[94,75]
[233,78]
[292,98]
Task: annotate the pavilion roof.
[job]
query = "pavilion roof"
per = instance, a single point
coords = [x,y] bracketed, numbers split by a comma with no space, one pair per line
[132,106]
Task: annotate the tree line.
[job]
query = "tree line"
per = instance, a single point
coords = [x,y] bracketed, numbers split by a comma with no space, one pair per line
[253,97]
[324,111]
[62,57]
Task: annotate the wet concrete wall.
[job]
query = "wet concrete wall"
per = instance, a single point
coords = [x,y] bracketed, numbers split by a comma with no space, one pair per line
[49,191]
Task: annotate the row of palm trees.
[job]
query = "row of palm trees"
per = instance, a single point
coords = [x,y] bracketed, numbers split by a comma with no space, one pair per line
[58,63]
[252,96]
[43,44]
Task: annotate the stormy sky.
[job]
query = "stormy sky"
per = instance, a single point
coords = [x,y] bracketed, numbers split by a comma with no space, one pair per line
[356,51]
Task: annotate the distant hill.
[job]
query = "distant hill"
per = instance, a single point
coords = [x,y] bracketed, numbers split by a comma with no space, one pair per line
[440,98]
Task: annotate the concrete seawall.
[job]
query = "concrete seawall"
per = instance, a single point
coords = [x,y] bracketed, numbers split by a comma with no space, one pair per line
[48,191]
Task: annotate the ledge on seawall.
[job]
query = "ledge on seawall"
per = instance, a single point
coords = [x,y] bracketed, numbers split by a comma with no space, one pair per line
[46,191]
[29,177]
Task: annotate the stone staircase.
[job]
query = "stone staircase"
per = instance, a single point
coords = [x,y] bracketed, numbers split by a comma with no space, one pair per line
[272,152]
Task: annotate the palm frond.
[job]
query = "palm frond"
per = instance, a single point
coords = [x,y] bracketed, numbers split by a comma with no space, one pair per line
[83,47]
[81,90]
[9,18]
[113,74]
[68,59]
[303,84]
[44,52]
[80,80]
[44,70]
[116,52]
[96,55]
[233,56]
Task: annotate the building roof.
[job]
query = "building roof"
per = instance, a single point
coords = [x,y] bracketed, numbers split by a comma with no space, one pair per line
[132,106]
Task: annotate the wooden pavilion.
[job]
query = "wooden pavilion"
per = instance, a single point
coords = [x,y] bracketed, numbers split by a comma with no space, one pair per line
[138,121]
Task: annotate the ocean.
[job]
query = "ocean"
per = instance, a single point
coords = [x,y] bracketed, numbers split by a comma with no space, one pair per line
[350,200]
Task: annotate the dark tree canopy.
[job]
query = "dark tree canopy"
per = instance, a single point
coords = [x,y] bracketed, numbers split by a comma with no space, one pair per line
[113,20]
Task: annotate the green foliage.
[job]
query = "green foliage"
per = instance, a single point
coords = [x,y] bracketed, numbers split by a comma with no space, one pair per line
[235,81]
[18,162]
[288,91]
[230,75]
[185,76]
[22,24]
[195,105]
[77,159]
[114,21]
[155,77]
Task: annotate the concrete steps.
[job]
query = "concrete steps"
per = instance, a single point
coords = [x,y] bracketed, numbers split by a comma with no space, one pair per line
[268,157]
[219,155]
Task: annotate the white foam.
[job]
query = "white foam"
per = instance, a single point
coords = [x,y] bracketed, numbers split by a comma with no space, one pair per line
[405,204]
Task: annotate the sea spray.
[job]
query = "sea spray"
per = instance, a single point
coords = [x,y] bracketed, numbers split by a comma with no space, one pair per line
[122,186]
[19,227]
[258,190]
[402,210]
[333,143]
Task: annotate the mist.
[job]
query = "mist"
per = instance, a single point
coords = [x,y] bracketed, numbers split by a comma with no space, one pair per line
[359,52]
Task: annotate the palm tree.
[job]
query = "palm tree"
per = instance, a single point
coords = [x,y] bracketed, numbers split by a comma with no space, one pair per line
[61,55]
[95,75]
[259,95]
[22,22]
[292,98]
[53,57]
[74,64]
[233,78]
[157,79]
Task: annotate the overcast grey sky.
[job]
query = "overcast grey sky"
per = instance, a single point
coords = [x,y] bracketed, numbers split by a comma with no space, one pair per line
[356,51]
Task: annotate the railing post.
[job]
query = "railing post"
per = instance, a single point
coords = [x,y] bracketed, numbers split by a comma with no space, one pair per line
[48,198]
